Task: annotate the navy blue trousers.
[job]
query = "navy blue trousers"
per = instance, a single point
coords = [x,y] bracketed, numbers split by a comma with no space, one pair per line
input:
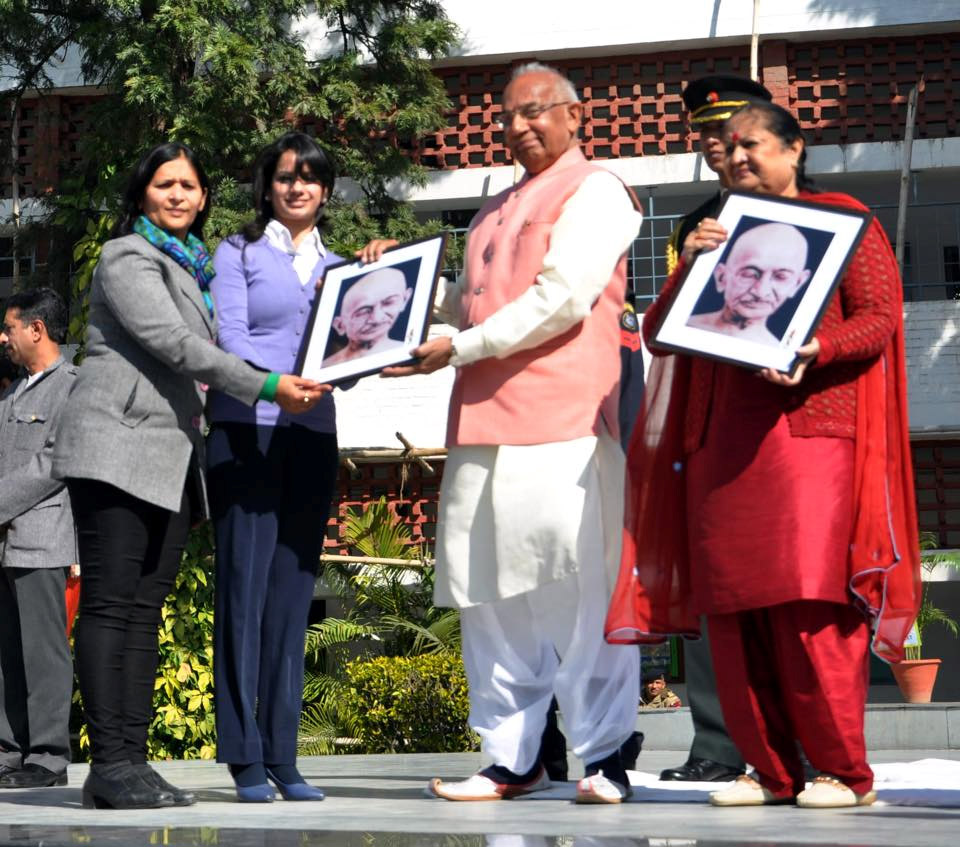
[270,490]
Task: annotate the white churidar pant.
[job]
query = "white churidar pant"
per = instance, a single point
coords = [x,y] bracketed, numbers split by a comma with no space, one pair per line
[528,549]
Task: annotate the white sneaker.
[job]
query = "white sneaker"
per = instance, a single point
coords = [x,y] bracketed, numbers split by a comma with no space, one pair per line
[828,792]
[746,791]
[599,789]
[479,788]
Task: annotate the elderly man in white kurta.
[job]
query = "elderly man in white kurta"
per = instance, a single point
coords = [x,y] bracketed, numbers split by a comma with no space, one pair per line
[531,500]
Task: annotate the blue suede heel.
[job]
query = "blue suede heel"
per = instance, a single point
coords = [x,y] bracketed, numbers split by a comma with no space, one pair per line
[295,790]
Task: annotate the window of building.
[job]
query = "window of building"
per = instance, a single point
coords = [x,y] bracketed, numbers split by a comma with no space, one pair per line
[6,264]
[951,270]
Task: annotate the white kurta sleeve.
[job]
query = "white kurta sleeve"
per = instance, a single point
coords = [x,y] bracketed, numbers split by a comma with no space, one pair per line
[596,226]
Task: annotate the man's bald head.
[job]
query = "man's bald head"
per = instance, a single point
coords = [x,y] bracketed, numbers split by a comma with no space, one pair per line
[765,267]
[784,240]
[371,306]
[541,116]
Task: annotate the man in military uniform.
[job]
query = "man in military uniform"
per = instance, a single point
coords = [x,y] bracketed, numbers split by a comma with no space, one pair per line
[656,695]
[710,101]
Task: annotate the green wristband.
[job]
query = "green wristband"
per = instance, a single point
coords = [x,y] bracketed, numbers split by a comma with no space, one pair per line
[269,390]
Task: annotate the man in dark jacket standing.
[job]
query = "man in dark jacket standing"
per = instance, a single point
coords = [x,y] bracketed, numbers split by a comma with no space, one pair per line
[37,547]
[710,101]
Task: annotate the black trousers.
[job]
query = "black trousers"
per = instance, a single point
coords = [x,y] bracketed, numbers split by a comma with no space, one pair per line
[36,669]
[710,738]
[270,491]
[129,556]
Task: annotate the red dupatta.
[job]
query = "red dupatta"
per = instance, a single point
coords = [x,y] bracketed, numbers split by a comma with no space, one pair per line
[652,598]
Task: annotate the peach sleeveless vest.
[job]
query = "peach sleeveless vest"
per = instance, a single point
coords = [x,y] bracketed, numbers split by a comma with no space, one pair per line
[557,391]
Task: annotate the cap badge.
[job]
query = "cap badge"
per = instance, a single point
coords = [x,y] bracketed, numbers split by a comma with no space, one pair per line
[712,97]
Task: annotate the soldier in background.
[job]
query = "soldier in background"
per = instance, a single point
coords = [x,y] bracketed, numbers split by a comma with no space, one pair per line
[710,101]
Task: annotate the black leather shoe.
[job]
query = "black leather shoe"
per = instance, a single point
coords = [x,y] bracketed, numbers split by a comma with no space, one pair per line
[33,776]
[6,769]
[154,780]
[118,786]
[701,770]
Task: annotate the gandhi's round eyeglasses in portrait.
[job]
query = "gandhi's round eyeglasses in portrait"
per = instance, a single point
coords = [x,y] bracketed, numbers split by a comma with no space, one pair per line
[764,269]
[369,309]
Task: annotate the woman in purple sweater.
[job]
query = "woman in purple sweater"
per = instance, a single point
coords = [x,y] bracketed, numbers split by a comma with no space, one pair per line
[271,480]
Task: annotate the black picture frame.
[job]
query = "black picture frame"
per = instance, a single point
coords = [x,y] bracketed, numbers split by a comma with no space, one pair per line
[761,295]
[388,308]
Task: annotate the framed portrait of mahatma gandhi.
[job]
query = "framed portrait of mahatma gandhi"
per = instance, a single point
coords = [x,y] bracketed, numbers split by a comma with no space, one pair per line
[369,317]
[760,295]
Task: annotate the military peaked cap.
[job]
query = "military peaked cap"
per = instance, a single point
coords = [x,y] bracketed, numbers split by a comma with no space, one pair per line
[716,98]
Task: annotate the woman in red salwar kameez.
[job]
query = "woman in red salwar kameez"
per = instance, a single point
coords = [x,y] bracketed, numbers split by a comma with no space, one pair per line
[798,535]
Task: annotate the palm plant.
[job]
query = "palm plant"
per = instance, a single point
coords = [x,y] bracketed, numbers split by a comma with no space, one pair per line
[390,612]
[930,558]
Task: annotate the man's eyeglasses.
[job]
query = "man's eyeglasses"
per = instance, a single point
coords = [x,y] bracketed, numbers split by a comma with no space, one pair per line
[528,111]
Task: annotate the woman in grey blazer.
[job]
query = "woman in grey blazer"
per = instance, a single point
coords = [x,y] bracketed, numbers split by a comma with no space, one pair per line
[130,446]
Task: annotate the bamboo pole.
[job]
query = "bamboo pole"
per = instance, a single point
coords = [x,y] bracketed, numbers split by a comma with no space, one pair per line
[905,171]
[392,452]
[330,558]
[408,449]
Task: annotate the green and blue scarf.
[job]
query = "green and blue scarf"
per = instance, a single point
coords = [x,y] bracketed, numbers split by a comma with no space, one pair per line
[192,256]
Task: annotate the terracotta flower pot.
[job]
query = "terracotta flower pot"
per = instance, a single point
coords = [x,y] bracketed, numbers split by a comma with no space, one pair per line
[916,678]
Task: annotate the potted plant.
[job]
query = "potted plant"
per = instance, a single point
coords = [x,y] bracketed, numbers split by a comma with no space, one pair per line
[916,675]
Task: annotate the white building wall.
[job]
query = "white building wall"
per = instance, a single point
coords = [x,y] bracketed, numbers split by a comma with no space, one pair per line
[506,29]
[469,187]
[932,341]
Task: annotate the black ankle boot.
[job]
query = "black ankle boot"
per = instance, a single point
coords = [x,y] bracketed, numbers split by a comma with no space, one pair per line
[154,780]
[117,785]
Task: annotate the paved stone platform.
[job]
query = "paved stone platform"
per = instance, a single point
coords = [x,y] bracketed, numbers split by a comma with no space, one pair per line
[378,801]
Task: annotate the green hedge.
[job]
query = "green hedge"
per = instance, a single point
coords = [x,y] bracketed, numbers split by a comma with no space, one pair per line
[183,724]
[409,704]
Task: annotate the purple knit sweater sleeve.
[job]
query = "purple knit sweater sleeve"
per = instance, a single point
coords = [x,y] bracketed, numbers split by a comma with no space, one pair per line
[229,290]
[262,315]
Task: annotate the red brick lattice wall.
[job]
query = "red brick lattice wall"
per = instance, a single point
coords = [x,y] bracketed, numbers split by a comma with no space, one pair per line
[414,499]
[632,106]
[936,465]
[51,131]
[857,90]
[842,91]
[26,143]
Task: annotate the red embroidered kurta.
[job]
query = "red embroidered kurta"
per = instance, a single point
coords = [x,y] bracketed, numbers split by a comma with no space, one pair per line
[854,393]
